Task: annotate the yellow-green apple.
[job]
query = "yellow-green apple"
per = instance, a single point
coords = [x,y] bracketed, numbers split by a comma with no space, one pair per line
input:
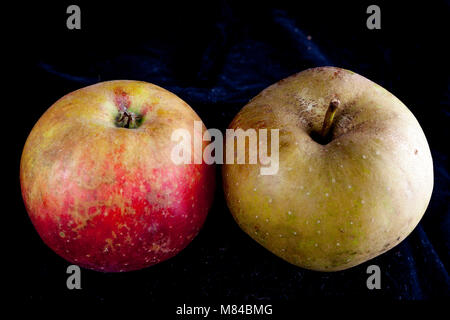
[355,171]
[98,181]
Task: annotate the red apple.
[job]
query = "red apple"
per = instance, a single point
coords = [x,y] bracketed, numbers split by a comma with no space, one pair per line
[98,181]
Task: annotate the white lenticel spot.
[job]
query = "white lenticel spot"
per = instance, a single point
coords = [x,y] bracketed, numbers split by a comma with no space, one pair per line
[362,201]
[308,193]
[341,165]
[377,152]
[309,169]
[267,220]
[289,212]
[318,221]
[351,222]
[256,217]
[254,189]
[318,231]
[326,194]
[295,233]
[270,200]
[315,244]
[364,156]
[283,249]
[267,233]
[333,180]
[301,187]
[349,186]
[338,244]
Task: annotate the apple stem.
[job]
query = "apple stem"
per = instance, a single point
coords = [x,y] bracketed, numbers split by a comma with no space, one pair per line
[127,119]
[329,116]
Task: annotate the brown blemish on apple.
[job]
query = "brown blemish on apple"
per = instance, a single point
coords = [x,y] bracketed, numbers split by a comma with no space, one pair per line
[318,69]
[338,74]
[416,151]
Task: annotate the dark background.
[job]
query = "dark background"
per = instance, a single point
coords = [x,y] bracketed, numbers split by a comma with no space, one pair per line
[216,56]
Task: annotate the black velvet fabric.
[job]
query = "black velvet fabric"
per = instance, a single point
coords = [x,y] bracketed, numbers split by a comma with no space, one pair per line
[217,56]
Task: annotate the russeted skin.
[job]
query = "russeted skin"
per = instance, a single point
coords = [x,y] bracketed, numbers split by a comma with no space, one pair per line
[332,206]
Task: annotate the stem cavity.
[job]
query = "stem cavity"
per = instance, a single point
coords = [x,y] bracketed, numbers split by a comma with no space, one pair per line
[128,119]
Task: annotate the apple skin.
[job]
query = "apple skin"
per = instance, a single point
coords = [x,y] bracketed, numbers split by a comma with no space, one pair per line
[332,206]
[109,198]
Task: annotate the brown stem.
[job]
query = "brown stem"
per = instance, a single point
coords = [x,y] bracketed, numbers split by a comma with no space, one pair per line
[329,116]
[127,119]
